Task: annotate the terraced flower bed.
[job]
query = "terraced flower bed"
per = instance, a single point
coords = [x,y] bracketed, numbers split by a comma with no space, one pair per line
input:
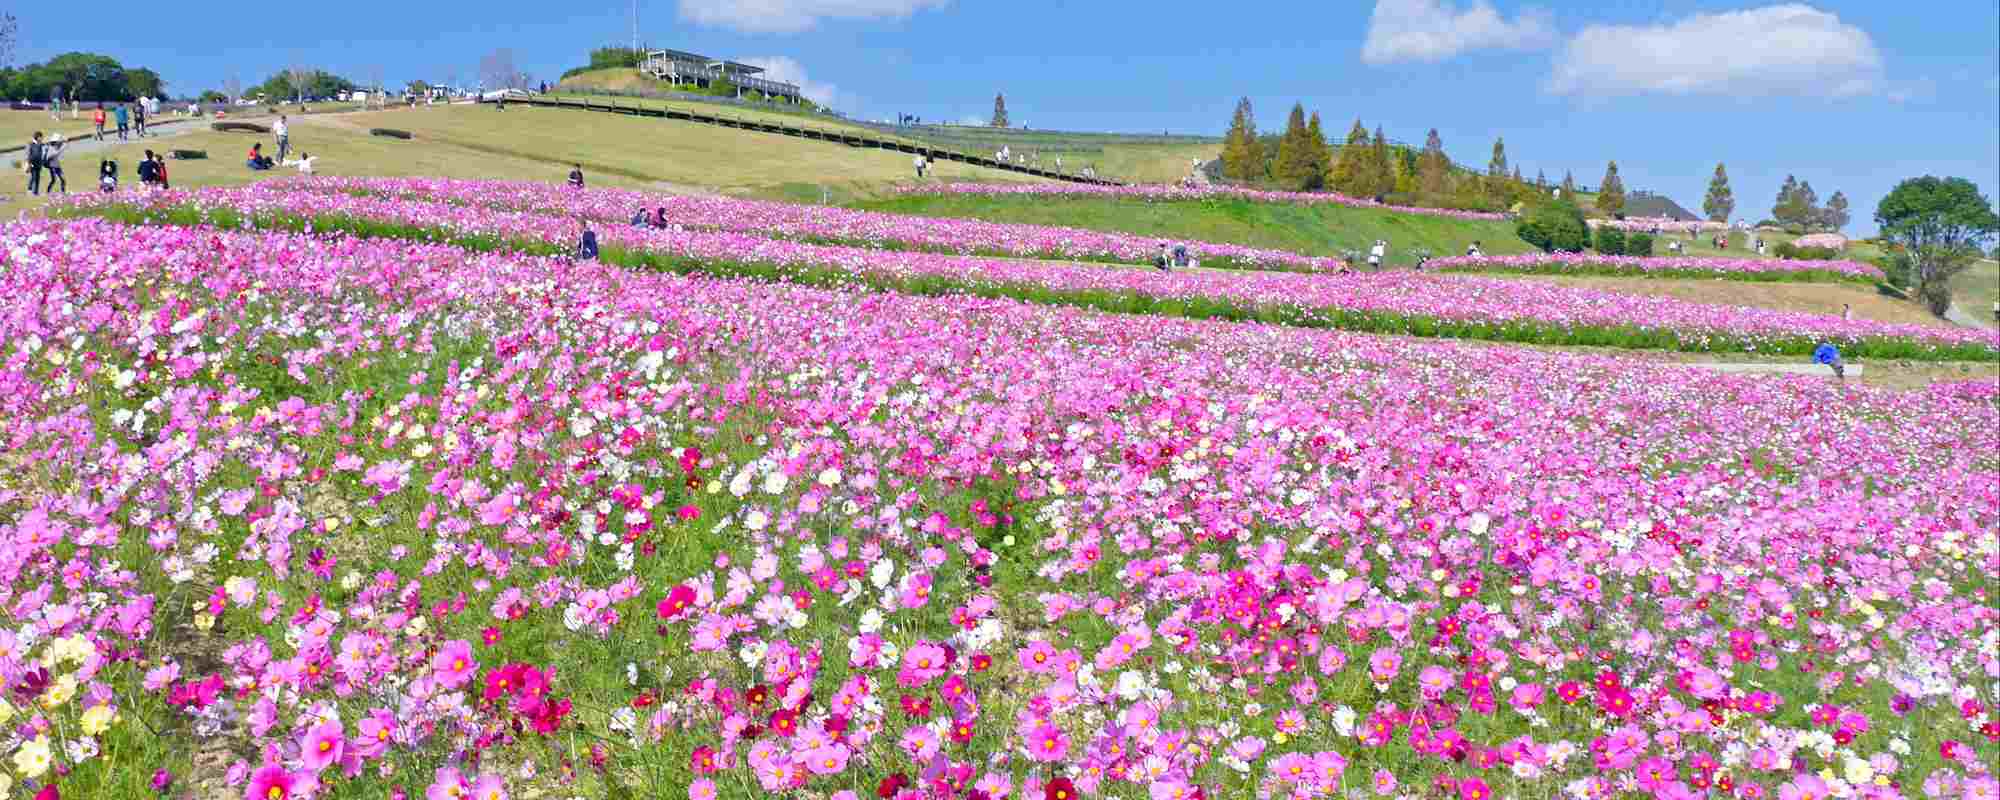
[1746,269]
[289,515]
[1399,303]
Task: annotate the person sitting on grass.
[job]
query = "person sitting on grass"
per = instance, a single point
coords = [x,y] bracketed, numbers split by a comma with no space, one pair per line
[660,217]
[107,176]
[160,171]
[1161,262]
[304,163]
[257,161]
[576,176]
[148,171]
[586,247]
[640,218]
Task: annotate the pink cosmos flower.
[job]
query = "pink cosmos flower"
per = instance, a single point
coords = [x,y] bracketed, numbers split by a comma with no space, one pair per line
[274,782]
[447,784]
[701,789]
[1047,743]
[453,665]
[322,746]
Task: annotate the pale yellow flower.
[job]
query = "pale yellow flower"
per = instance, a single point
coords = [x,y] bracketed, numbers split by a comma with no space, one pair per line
[59,692]
[98,719]
[33,759]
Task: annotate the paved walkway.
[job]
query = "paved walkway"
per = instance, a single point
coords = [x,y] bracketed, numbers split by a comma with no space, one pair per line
[1752,368]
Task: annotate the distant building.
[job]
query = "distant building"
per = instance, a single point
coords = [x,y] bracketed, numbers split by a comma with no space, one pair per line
[1647,205]
[682,67]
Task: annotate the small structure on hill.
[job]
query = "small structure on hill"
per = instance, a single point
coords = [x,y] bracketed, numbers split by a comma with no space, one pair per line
[682,67]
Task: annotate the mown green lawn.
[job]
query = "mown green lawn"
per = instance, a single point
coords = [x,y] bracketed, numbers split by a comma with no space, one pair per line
[1323,230]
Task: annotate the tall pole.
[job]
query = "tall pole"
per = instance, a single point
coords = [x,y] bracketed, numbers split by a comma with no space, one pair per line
[635,26]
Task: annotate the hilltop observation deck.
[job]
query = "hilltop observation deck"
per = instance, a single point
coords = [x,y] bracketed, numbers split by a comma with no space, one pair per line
[680,67]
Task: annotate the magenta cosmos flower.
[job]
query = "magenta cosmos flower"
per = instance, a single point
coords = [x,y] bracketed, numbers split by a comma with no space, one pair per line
[273,782]
[322,746]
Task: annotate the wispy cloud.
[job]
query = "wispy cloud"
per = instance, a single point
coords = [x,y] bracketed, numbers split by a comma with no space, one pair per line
[1434,30]
[794,16]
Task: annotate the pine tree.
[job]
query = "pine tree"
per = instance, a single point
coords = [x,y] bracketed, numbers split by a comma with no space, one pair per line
[999,111]
[1569,186]
[1787,204]
[1517,176]
[1242,157]
[1836,216]
[1293,170]
[1542,181]
[1322,153]
[1381,169]
[1720,202]
[1350,172]
[1611,194]
[1808,206]
[1497,168]
[1433,167]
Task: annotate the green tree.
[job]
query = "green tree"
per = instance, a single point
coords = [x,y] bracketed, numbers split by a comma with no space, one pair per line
[1293,168]
[1322,153]
[1569,186]
[1610,240]
[1720,201]
[1381,166]
[1555,226]
[1941,223]
[1542,181]
[1787,209]
[1350,171]
[1433,167]
[1835,216]
[1611,192]
[1497,168]
[1242,155]
[999,111]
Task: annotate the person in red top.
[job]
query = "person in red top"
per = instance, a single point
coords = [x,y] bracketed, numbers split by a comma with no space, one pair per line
[98,117]
[160,170]
[257,161]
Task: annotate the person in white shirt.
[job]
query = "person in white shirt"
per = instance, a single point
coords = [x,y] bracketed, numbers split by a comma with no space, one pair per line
[919,162]
[283,132]
[1473,251]
[304,163]
[1376,253]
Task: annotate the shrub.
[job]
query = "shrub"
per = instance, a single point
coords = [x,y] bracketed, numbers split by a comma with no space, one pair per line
[1555,226]
[1792,251]
[1639,244]
[389,132]
[188,155]
[1610,241]
[240,127]
[1898,267]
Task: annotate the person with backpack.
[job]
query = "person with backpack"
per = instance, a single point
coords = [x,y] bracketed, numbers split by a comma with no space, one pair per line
[52,161]
[35,164]
[124,117]
[97,118]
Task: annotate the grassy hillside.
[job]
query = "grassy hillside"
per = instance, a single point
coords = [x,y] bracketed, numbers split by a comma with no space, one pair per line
[1323,230]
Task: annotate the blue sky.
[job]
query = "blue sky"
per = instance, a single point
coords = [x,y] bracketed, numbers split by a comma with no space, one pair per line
[1848,95]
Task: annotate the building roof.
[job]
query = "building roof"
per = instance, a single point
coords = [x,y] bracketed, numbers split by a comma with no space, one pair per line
[740,68]
[682,55]
[1647,204]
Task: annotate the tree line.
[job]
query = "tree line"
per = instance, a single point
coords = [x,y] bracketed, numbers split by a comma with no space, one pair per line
[1367,164]
[80,76]
[1797,208]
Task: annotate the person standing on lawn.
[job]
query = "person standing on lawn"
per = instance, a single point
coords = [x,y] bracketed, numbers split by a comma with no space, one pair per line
[52,161]
[139,118]
[124,117]
[97,118]
[284,134]
[35,149]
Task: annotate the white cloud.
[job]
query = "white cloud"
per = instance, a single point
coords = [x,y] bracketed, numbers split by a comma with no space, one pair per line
[1434,30]
[794,16]
[1790,49]
[781,68]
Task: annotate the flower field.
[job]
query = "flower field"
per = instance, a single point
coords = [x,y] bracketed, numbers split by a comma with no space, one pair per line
[299,516]
[1749,269]
[1162,192]
[804,223]
[1400,303]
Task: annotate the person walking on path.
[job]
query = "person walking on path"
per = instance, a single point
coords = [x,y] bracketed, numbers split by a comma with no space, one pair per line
[52,161]
[139,119]
[124,117]
[97,118]
[35,150]
[284,134]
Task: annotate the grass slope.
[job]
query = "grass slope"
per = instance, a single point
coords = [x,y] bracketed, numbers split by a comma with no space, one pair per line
[1323,230]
